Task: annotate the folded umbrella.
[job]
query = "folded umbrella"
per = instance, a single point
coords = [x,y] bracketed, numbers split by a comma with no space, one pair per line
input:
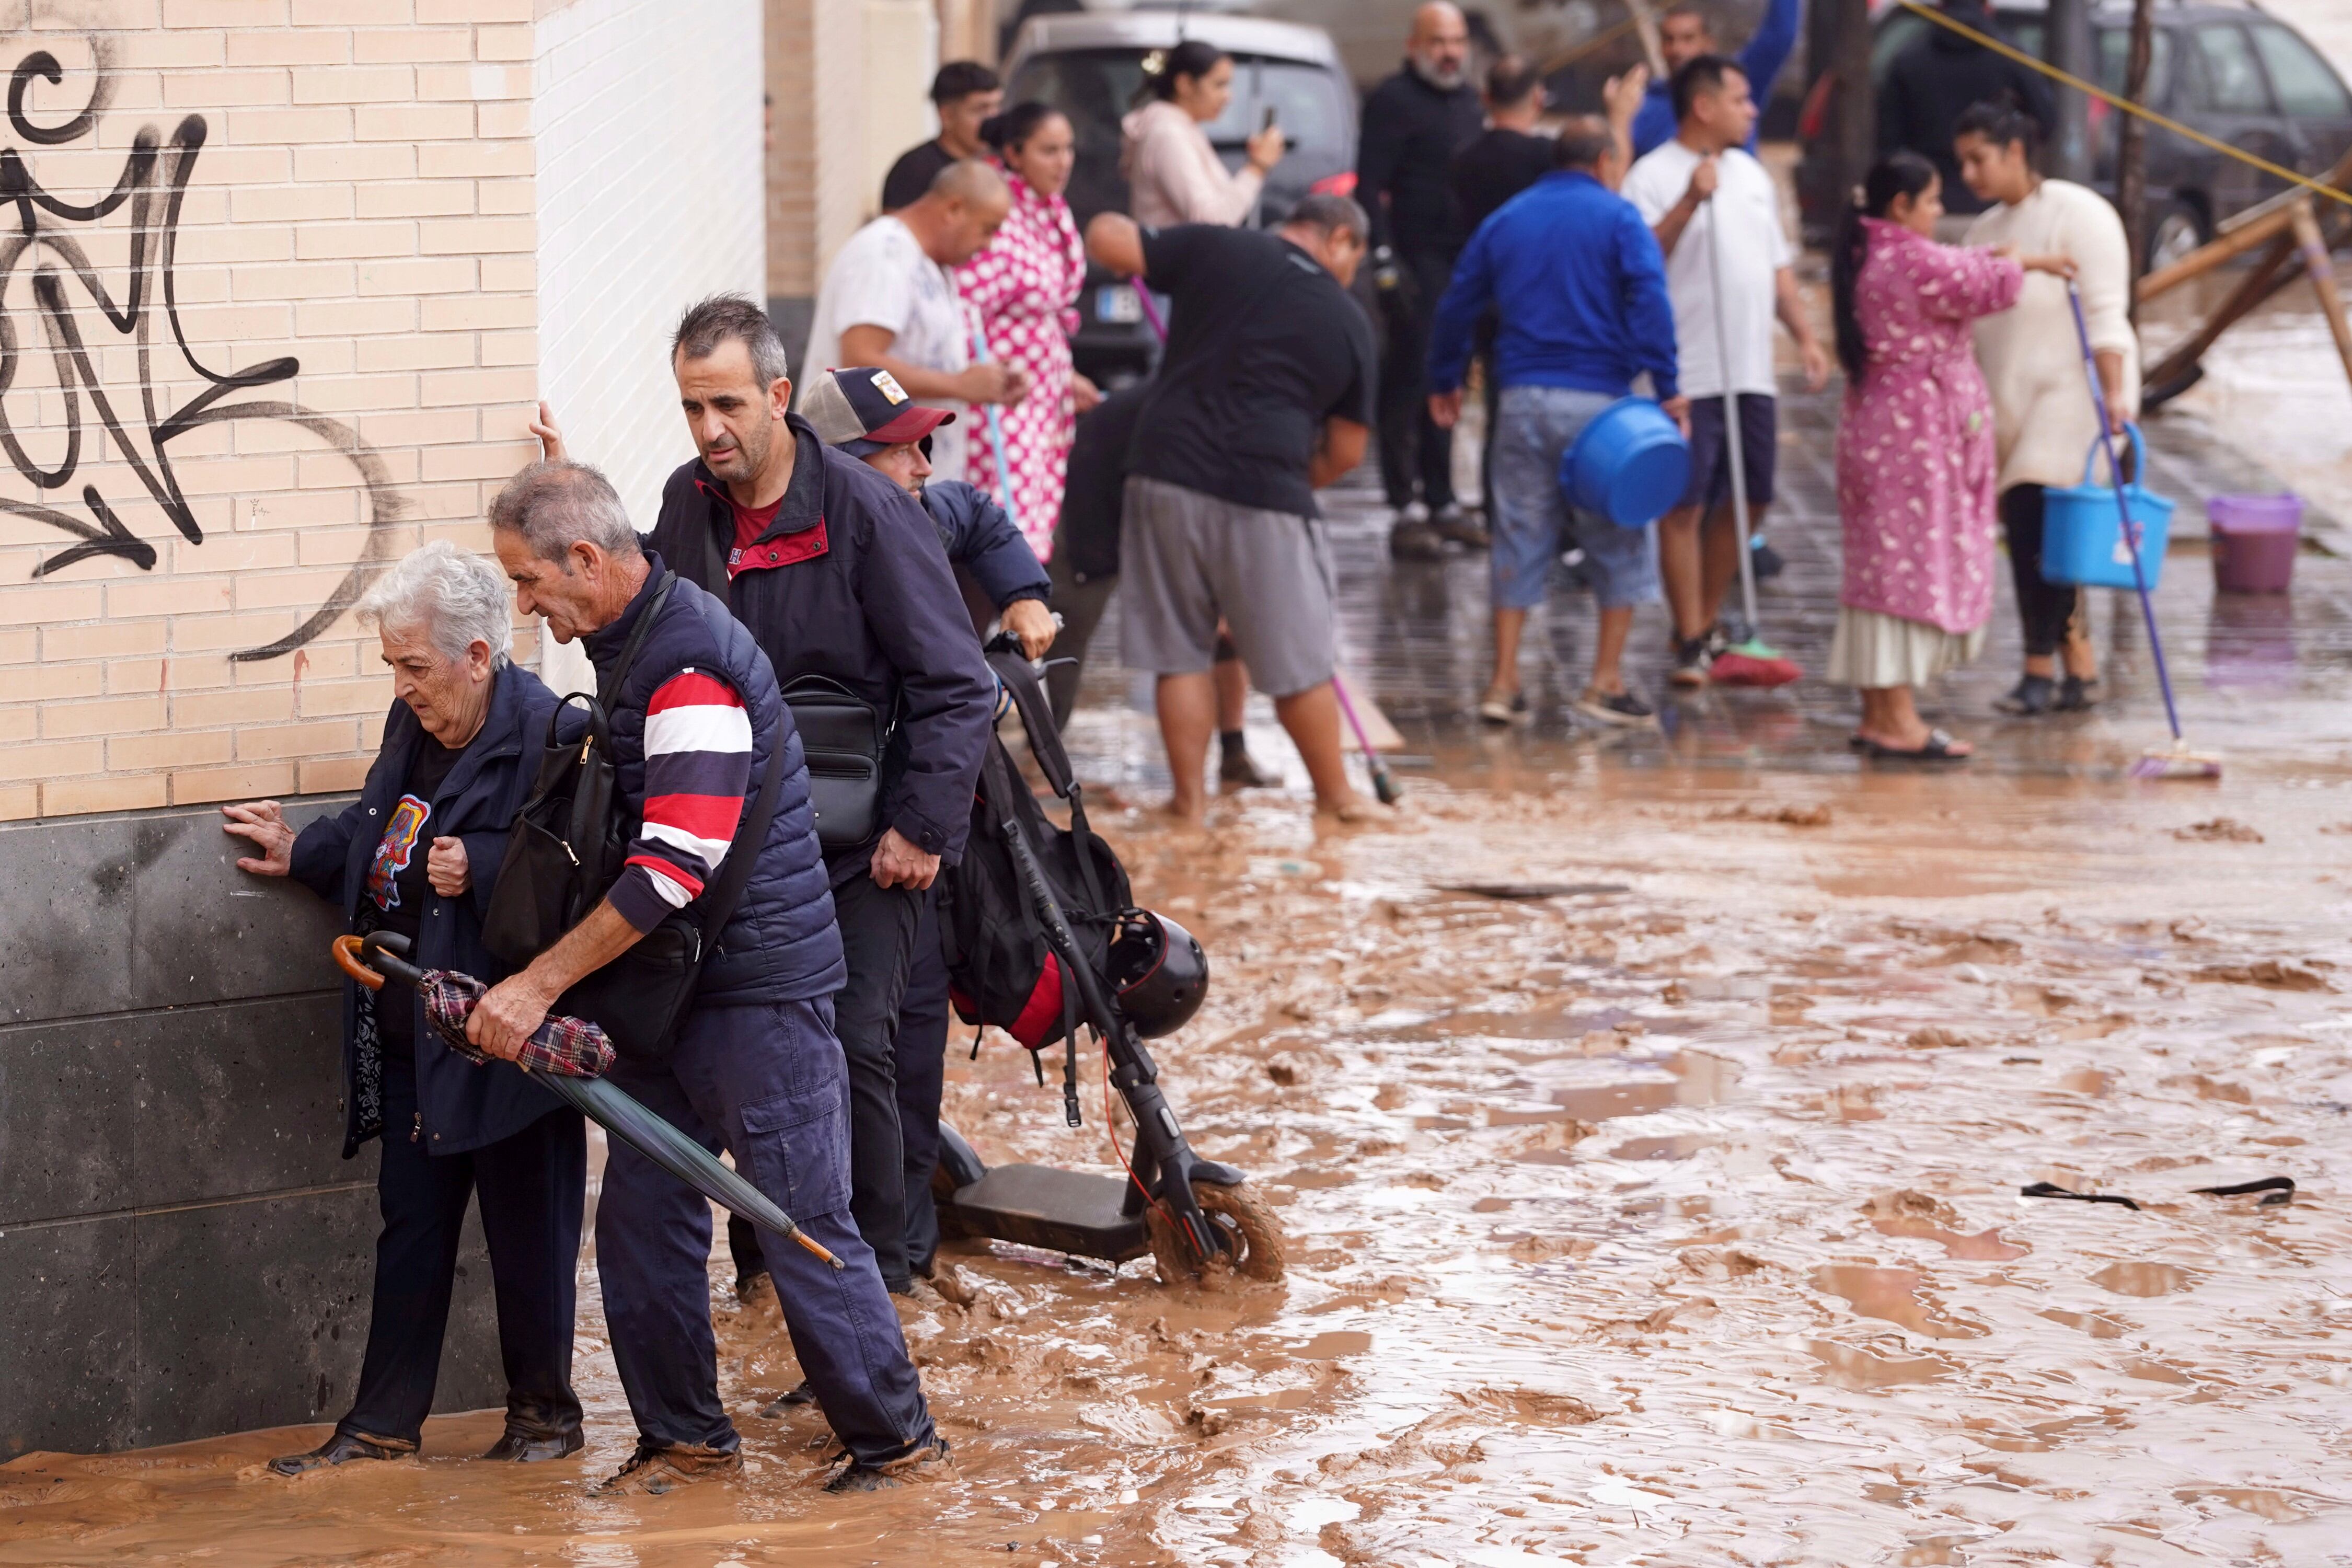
[566,1055]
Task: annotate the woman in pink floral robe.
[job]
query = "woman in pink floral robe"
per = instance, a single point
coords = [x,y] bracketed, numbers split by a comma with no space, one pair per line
[1024,288]
[1914,454]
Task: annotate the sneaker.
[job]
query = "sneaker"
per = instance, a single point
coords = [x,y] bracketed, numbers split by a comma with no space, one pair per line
[1767,561]
[757,1295]
[1414,539]
[1453,523]
[656,1469]
[856,1476]
[1621,708]
[2031,697]
[787,1401]
[341,1449]
[1692,659]
[1506,711]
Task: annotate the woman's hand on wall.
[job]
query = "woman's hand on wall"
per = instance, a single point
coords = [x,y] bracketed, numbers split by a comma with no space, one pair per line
[261,822]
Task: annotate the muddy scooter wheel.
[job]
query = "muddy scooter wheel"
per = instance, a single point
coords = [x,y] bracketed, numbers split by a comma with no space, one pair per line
[1251,1235]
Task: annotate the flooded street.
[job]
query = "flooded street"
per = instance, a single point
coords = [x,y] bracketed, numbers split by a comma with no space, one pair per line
[1669,1214]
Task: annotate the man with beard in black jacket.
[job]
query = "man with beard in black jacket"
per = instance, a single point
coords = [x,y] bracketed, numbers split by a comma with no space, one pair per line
[1414,123]
[1937,76]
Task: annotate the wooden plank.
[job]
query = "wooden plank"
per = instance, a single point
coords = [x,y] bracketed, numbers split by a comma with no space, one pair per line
[2336,176]
[1647,23]
[2323,280]
[1377,729]
[2215,253]
[2274,272]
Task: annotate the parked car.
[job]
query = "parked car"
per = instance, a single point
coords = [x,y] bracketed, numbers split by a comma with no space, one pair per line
[2237,75]
[1090,67]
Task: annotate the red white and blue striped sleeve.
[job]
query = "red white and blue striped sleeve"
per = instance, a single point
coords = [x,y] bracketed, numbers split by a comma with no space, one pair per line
[697,767]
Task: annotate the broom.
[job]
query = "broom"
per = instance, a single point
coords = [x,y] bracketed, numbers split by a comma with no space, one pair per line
[2177,760]
[1753,662]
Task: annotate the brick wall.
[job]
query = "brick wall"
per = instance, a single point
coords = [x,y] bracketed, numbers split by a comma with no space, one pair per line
[293,284]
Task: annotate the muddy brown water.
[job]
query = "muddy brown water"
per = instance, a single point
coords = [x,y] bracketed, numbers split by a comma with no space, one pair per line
[1675,1226]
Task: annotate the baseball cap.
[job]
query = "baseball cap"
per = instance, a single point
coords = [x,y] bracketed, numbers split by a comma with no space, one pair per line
[862,410]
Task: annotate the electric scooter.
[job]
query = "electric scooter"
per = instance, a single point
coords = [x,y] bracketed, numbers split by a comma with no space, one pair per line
[1194,1217]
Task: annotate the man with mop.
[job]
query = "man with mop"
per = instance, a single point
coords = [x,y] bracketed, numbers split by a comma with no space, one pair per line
[1716,215]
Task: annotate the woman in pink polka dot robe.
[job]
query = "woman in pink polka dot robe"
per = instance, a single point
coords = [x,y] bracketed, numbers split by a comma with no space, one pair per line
[1024,288]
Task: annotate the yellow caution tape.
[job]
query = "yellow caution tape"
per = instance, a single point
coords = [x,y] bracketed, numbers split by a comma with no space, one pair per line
[2126,105]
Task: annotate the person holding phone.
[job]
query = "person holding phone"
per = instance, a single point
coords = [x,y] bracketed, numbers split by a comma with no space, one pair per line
[1173,171]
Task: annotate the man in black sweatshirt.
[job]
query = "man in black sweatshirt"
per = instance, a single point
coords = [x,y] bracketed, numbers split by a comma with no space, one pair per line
[1937,76]
[1414,123]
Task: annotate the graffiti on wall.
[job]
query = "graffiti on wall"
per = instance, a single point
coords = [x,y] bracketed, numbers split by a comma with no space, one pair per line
[67,305]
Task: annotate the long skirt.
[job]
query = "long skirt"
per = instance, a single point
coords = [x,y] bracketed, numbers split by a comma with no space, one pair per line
[1873,649]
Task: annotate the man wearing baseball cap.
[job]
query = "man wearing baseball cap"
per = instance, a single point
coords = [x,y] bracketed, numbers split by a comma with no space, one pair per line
[852,412]
[839,576]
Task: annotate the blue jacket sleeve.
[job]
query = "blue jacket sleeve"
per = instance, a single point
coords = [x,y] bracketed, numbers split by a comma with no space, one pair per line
[980,538]
[1653,123]
[1465,300]
[947,695]
[323,852]
[1767,49]
[1649,313]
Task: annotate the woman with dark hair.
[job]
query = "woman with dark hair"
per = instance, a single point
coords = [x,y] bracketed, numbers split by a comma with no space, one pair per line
[1915,452]
[1173,174]
[2043,422]
[1023,291]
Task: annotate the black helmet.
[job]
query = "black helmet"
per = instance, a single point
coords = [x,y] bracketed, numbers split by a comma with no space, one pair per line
[1160,971]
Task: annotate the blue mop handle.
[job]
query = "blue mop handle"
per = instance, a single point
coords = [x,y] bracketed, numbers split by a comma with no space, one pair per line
[996,433]
[2123,505]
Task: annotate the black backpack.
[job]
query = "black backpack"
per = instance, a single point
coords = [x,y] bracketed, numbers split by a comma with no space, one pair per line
[1001,968]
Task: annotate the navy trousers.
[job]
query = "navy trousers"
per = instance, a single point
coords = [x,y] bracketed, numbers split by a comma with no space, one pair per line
[767,1081]
[531,1184]
[921,1049]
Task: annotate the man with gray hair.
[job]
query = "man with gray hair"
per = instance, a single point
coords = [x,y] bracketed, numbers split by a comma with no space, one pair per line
[1265,396]
[889,300]
[694,718]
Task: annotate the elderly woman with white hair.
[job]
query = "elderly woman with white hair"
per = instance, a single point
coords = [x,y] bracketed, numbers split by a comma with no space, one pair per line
[417,854]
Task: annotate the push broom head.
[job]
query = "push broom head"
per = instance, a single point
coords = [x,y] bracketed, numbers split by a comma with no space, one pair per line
[1752,664]
[2176,761]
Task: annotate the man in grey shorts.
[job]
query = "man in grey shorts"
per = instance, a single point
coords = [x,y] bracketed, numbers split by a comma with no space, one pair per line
[1579,290]
[1265,396]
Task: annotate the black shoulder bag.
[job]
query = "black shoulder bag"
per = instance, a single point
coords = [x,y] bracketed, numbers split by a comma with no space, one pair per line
[567,848]
[844,739]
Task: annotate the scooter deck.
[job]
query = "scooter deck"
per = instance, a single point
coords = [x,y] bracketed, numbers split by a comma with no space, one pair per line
[1044,1205]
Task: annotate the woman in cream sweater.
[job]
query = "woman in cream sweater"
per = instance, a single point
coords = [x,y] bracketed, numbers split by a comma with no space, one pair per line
[2043,421]
[1173,174]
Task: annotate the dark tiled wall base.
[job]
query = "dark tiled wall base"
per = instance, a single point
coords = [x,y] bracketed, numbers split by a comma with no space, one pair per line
[183,1250]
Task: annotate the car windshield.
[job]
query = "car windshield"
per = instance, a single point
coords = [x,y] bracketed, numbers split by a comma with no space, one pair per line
[1096,87]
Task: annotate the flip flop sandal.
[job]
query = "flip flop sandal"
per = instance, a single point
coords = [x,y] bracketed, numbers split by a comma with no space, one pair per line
[1938,749]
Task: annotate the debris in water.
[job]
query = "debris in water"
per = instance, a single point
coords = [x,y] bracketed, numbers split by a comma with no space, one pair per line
[2277,1190]
[2220,830]
[2052,1190]
[1816,815]
[1532,889]
[2272,973]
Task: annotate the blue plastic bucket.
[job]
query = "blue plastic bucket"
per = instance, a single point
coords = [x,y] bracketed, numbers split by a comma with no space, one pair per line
[2082,538]
[1630,465]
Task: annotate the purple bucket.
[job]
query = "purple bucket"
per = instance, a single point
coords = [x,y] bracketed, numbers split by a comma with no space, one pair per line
[2254,541]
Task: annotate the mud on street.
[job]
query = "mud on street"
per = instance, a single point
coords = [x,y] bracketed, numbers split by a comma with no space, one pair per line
[1672,1225]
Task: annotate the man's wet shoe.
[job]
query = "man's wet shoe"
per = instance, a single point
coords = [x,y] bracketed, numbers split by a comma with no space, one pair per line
[2032,696]
[787,1401]
[535,1447]
[1416,540]
[855,1475]
[2077,694]
[1456,526]
[341,1449]
[653,1470]
[1236,767]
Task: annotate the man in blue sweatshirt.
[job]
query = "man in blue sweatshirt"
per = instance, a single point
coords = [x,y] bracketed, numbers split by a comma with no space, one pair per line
[1684,34]
[1579,290]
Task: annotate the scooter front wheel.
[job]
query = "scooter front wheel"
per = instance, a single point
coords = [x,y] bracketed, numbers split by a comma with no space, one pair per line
[1252,1237]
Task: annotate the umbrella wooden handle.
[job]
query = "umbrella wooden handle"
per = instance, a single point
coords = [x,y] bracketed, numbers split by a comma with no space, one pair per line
[347,959]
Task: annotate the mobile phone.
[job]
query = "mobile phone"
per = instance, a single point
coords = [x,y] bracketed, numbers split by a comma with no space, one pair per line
[1266,123]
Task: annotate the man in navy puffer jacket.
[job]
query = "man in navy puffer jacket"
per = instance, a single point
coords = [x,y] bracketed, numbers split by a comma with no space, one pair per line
[755,1063]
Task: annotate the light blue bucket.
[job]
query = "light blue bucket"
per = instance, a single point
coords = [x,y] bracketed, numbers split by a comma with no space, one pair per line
[1630,465]
[2082,533]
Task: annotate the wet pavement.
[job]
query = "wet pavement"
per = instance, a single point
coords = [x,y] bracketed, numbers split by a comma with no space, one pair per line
[1671,1220]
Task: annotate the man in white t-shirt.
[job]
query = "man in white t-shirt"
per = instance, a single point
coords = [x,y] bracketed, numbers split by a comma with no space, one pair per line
[1701,185]
[889,300]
